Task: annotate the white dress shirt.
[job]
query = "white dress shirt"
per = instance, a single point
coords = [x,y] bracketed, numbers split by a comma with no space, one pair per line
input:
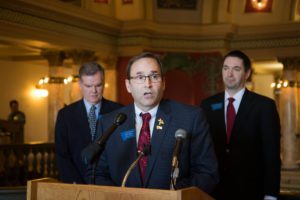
[139,121]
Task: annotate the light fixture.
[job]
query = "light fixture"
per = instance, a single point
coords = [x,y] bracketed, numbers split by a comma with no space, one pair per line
[39,92]
[41,89]
[58,80]
[259,4]
[284,84]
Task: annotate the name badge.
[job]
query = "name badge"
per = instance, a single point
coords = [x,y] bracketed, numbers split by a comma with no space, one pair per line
[216,106]
[125,135]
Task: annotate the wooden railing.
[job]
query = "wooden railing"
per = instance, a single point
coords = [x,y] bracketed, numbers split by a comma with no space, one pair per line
[22,162]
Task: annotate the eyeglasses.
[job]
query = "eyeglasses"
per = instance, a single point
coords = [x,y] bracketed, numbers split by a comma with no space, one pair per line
[140,79]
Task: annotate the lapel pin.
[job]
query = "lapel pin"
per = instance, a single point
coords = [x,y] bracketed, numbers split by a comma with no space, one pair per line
[160,124]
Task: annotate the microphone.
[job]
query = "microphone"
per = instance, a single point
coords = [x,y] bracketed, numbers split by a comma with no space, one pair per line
[180,135]
[145,152]
[94,150]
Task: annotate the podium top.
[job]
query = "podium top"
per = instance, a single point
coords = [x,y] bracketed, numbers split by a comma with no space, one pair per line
[51,189]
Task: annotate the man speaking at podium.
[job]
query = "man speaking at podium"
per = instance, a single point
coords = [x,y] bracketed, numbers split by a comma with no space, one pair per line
[153,122]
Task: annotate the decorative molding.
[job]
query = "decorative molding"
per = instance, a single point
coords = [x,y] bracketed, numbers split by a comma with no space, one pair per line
[116,36]
[290,63]
[290,181]
[55,58]
[265,43]
[54,26]
[80,56]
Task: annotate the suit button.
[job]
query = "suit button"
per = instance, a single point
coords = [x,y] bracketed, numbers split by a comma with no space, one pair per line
[227,150]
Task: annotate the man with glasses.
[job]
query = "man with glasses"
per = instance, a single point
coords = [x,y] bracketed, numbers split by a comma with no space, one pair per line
[152,123]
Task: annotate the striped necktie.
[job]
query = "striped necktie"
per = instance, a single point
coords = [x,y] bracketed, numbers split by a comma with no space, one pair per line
[92,121]
[144,140]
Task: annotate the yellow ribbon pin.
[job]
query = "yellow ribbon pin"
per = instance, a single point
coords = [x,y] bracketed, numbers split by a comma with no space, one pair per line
[160,124]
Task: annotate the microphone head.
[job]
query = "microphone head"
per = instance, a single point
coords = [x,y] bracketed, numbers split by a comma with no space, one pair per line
[120,118]
[147,150]
[180,134]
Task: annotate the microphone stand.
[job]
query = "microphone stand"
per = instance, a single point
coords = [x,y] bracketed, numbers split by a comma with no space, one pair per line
[174,176]
[93,181]
[180,135]
[145,152]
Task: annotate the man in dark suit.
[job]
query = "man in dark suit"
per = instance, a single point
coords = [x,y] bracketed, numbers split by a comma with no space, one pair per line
[246,135]
[73,130]
[197,166]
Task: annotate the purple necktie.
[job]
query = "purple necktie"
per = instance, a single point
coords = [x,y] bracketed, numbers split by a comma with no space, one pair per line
[230,117]
[144,140]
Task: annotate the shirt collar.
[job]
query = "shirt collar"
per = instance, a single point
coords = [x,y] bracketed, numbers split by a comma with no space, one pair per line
[152,112]
[238,96]
[88,106]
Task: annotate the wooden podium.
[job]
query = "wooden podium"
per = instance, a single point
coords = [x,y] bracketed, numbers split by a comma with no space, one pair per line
[51,189]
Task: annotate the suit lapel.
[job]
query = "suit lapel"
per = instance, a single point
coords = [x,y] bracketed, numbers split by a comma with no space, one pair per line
[244,108]
[83,120]
[219,116]
[159,132]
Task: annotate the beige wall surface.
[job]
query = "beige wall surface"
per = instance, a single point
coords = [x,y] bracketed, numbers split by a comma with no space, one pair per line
[17,81]
[262,84]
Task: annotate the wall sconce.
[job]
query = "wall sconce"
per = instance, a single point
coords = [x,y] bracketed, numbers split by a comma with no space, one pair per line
[41,90]
[284,84]
[59,80]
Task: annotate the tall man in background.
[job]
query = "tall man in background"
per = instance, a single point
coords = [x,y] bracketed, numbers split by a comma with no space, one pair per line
[76,123]
[153,121]
[245,128]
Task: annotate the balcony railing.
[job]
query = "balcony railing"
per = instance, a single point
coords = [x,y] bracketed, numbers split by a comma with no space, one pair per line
[22,162]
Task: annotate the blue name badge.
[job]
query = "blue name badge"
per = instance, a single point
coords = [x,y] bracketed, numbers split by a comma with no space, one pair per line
[216,106]
[125,135]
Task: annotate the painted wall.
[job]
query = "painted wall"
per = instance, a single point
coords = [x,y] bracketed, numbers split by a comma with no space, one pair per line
[262,83]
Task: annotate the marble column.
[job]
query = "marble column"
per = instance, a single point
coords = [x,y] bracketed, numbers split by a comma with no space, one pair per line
[297,63]
[289,115]
[56,94]
[79,57]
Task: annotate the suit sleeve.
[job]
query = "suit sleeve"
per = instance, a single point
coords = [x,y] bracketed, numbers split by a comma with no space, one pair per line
[270,129]
[203,162]
[66,168]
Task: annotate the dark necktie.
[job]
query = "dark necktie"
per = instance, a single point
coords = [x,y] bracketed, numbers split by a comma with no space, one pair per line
[92,121]
[144,140]
[230,117]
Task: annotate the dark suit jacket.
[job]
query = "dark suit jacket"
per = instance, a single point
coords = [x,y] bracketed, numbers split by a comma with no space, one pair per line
[72,134]
[250,164]
[198,165]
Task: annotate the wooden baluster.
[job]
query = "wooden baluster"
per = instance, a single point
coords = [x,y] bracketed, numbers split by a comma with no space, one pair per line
[16,166]
[42,162]
[26,164]
[34,163]
[2,167]
[48,162]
